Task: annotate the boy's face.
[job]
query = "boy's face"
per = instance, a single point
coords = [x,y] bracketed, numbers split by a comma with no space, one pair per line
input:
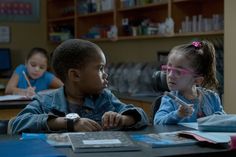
[93,78]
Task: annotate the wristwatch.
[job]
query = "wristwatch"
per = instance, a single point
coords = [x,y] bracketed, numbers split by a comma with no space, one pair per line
[71,119]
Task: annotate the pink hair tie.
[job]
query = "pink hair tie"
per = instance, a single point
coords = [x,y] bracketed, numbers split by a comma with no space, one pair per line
[197,44]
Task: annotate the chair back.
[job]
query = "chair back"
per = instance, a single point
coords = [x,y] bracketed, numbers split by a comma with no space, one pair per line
[159,81]
[160,86]
[3,126]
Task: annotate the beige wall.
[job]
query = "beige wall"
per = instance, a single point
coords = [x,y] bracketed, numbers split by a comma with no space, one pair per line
[230,56]
[24,36]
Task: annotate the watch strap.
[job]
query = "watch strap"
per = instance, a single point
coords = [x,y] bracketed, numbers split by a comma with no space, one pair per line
[70,125]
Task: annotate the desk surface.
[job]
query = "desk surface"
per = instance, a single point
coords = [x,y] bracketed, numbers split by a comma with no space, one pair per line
[183,151]
[14,104]
[9,109]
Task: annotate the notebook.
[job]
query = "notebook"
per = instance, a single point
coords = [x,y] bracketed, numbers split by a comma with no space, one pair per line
[104,141]
[166,139]
[13,98]
[54,139]
[28,148]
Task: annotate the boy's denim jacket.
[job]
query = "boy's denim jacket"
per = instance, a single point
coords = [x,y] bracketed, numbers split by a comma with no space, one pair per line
[33,118]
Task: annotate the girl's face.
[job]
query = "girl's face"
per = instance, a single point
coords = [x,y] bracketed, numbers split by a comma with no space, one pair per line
[180,76]
[93,77]
[36,65]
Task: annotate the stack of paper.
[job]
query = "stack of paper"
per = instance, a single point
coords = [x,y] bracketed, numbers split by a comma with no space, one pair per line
[13,98]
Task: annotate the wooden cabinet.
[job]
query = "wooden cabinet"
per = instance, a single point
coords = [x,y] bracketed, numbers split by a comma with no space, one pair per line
[133,19]
[60,20]
[141,19]
[209,12]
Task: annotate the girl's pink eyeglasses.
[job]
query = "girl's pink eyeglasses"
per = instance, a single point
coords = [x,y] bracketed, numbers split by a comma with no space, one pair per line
[177,71]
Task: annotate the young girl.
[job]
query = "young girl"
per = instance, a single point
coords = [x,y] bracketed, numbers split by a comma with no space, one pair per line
[32,77]
[83,103]
[191,76]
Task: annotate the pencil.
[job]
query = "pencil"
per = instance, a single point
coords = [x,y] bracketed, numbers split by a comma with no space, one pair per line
[176,99]
[26,78]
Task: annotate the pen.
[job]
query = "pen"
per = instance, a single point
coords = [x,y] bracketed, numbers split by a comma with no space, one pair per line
[26,78]
[176,99]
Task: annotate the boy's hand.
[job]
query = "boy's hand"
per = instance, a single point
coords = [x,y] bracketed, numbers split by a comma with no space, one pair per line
[115,120]
[85,124]
[185,111]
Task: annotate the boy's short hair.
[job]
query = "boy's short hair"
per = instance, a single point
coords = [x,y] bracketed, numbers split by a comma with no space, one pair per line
[72,53]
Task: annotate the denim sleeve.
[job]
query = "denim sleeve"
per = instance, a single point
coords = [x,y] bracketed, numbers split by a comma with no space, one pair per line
[167,113]
[33,118]
[129,109]
[216,104]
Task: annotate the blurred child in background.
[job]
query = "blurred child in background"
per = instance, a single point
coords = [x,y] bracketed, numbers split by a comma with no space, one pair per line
[32,77]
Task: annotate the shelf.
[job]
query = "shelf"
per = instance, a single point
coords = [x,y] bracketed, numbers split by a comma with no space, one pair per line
[61,19]
[96,14]
[64,14]
[200,33]
[170,36]
[147,6]
[179,1]
[217,33]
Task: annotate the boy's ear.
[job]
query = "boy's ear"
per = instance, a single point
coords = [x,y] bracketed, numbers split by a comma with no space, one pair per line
[199,80]
[74,74]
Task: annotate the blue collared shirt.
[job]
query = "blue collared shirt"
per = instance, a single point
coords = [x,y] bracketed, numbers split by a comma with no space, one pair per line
[33,118]
[42,83]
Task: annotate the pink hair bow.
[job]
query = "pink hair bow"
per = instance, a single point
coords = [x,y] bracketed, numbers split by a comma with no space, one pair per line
[197,44]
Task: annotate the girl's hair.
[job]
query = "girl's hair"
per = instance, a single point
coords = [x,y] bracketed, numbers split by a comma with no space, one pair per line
[73,53]
[38,50]
[202,59]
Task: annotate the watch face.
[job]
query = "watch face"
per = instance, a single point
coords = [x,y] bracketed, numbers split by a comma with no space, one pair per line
[72,116]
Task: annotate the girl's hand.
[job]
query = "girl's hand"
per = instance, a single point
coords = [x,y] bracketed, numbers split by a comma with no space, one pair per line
[30,91]
[185,111]
[115,120]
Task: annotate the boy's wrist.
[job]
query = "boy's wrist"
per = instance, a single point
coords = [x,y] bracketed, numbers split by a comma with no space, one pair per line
[71,119]
[57,123]
[128,120]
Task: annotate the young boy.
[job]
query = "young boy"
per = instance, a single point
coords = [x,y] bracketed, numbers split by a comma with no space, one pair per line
[83,103]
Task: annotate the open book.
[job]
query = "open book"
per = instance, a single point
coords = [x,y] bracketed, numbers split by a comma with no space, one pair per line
[13,98]
[166,139]
[210,137]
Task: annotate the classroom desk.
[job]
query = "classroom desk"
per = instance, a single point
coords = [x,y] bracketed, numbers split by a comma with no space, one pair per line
[181,151]
[10,109]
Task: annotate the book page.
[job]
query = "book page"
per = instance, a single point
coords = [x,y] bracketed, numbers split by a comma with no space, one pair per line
[192,125]
[13,97]
[212,137]
[165,139]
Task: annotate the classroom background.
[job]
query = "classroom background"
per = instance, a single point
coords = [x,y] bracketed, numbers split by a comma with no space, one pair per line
[131,45]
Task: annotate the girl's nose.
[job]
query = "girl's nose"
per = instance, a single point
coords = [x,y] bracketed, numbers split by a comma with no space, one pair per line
[37,68]
[171,73]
